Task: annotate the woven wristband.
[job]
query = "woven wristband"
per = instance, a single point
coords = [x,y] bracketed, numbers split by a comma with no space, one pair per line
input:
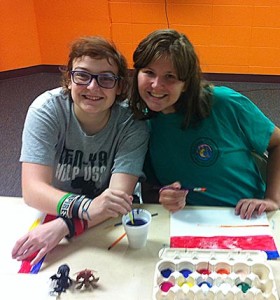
[60,202]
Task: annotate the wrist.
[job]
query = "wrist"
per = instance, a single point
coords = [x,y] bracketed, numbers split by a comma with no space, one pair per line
[72,227]
[69,226]
[63,228]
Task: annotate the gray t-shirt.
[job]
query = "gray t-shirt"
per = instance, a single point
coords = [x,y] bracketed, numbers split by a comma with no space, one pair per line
[82,164]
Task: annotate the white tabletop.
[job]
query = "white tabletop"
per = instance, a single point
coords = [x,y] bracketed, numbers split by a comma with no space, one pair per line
[124,273]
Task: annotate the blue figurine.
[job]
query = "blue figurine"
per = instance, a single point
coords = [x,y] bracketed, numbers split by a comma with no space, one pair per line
[61,280]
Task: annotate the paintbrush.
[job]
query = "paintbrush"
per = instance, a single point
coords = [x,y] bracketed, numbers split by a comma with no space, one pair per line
[117,241]
[189,189]
[131,217]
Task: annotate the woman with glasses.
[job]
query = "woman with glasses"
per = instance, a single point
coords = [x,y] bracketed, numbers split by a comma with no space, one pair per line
[82,152]
[201,135]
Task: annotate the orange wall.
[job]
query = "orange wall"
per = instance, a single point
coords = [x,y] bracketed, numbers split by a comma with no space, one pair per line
[231,36]
[19,44]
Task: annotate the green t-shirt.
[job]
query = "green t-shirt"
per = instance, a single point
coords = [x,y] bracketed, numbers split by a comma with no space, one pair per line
[215,154]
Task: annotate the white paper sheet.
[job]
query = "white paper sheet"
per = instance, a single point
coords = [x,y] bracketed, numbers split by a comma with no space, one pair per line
[216,222]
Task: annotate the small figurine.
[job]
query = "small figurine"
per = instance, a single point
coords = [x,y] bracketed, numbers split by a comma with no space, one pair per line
[86,278]
[61,280]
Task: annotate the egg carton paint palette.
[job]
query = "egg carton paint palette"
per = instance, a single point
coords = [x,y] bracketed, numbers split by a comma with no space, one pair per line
[198,274]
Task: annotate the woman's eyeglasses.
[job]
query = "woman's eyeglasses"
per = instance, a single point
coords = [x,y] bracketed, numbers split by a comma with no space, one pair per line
[107,81]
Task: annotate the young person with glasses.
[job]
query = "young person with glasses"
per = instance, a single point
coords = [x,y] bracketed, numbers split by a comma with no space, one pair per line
[201,135]
[82,151]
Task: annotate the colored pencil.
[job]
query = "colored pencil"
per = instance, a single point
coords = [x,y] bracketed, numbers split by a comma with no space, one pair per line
[35,223]
[117,241]
[25,264]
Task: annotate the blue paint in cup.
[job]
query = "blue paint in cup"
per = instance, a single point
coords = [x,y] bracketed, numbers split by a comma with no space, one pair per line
[137,222]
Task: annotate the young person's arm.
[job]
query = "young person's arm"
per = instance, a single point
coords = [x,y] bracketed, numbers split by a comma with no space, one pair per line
[39,193]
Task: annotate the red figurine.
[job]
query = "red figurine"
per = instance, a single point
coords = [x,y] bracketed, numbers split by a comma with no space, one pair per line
[86,278]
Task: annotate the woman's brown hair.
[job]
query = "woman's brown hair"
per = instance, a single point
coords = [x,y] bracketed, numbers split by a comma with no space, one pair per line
[194,102]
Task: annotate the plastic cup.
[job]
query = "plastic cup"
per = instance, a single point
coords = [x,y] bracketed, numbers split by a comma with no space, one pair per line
[137,233]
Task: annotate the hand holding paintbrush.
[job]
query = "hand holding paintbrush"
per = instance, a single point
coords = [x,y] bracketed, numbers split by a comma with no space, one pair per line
[173,197]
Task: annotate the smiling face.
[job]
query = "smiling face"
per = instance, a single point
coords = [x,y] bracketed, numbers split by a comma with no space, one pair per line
[93,99]
[159,86]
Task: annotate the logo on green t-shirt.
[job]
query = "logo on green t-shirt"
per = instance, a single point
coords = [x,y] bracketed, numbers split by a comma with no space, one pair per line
[204,152]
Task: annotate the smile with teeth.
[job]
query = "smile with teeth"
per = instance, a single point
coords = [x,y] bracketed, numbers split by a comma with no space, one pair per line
[93,98]
[155,95]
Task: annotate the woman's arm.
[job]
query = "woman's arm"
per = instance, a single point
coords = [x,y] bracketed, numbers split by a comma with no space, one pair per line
[273,168]
[246,207]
